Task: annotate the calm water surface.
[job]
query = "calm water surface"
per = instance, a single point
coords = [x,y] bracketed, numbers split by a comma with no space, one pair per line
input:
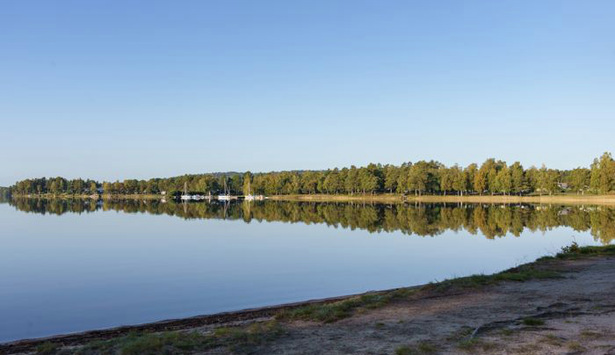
[68,266]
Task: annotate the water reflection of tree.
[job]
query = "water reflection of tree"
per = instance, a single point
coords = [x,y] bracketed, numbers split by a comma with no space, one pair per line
[492,221]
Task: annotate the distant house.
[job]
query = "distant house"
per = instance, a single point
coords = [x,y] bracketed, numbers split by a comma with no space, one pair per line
[563,185]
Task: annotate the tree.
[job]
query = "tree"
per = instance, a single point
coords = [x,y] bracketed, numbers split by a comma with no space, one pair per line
[446,180]
[548,180]
[368,181]
[531,178]
[131,186]
[247,181]
[309,182]
[481,178]
[418,177]
[602,177]
[517,178]
[391,177]
[470,174]
[460,180]
[579,180]
[402,180]
[503,180]
[352,180]
[332,182]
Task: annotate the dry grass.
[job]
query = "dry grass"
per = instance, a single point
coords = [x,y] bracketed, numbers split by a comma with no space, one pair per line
[395,198]
[381,198]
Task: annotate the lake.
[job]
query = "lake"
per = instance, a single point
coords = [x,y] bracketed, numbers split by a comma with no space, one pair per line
[75,265]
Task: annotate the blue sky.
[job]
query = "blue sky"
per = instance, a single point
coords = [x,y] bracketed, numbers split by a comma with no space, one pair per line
[139,89]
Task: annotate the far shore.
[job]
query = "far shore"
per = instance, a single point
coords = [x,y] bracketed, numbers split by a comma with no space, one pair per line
[393,198]
[568,199]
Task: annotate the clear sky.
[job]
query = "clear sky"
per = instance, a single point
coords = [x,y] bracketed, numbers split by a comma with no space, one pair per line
[139,89]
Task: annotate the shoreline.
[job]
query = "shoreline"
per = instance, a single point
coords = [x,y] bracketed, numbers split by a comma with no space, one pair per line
[497,199]
[178,324]
[598,200]
[329,312]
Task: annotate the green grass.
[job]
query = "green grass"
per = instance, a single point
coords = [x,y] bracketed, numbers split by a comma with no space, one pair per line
[422,348]
[518,274]
[460,334]
[533,322]
[575,346]
[552,339]
[233,338]
[472,345]
[47,348]
[574,251]
[507,332]
[532,271]
[590,334]
[334,311]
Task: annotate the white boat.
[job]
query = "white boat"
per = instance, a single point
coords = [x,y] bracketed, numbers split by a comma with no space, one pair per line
[224,197]
[185,196]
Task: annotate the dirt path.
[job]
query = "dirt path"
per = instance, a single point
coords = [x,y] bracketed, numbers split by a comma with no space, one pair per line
[574,314]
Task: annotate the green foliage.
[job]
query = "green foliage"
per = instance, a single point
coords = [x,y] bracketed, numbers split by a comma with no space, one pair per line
[579,180]
[422,177]
[575,251]
[602,175]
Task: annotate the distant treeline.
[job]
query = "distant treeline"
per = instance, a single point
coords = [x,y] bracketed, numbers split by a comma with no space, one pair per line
[417,219]
[422,177]
[5,192]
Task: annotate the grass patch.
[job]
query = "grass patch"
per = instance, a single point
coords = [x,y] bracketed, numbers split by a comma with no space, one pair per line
[507,332]
[574,251]
[460,334]
[532,271]
[47,348]
[182,342]
[533,322]
[575,346]
[472,345]
[404,350]
[590,334]
[423,347]
[518,274]
[552,339]
[334,311]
